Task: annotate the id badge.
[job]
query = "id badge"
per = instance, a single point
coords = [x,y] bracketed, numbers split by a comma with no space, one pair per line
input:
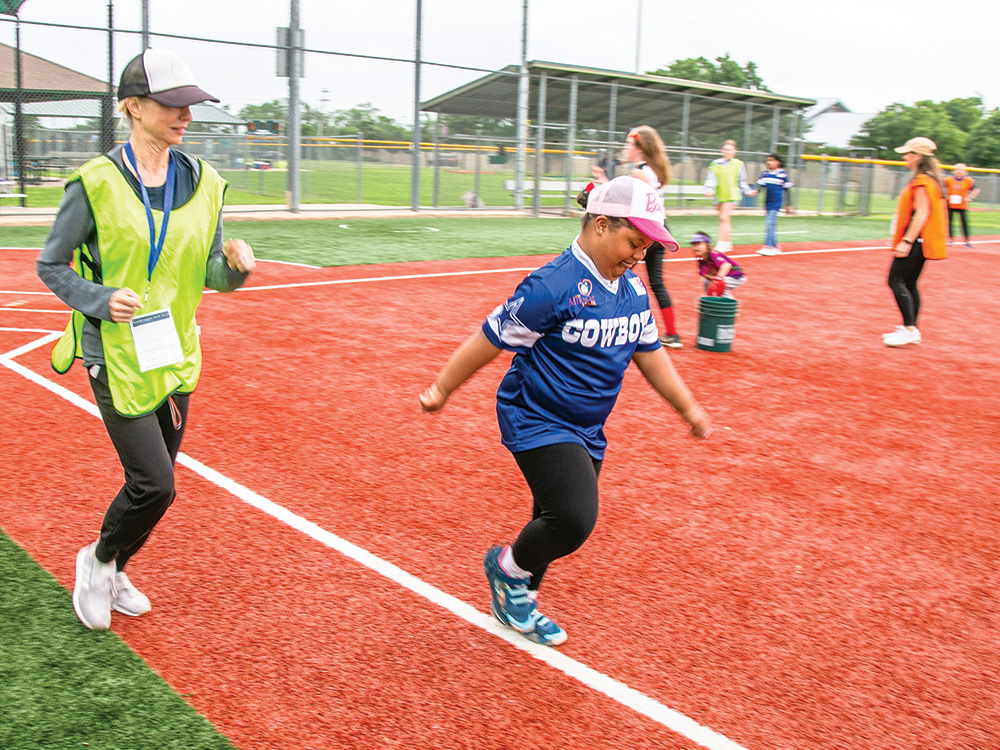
[156,341]
[956,200]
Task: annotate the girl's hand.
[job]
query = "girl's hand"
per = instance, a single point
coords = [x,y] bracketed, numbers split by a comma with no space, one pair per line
[701,425]
[902,249]
[239,256]
[599,174]
[432,399]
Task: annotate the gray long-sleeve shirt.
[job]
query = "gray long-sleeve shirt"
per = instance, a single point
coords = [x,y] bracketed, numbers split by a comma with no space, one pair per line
[74,226]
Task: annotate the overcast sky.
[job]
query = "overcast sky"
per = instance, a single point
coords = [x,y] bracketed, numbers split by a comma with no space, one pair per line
[867,53]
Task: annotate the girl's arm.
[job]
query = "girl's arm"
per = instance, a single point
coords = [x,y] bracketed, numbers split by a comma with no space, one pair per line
[921,213]
[475,352]
[657,368]
[723,271]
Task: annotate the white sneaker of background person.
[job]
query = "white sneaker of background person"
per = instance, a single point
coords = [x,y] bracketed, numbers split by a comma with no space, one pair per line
[93,591]
[902,336]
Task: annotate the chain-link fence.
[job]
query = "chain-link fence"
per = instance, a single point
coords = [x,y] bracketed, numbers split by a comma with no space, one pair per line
[468,152]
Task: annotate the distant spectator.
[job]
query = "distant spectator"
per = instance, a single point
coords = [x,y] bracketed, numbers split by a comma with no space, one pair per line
[776,182]
[961,190]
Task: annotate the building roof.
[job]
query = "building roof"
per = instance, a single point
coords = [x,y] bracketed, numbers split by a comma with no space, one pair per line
[836,128]
[651,99]
[44,80]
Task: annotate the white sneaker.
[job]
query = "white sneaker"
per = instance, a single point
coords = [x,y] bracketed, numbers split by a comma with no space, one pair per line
[127,598]
[94,589]
[901,337]
[766,250]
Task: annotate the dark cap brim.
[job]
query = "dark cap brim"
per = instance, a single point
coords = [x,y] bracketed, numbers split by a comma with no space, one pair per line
[183,96]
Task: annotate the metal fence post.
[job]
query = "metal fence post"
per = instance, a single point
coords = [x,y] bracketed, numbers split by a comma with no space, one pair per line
[574,86]
[479,135]
[437,151]
[536,199]
[361,147]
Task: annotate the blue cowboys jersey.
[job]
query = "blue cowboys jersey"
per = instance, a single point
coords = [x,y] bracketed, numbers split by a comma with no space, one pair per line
[573,334]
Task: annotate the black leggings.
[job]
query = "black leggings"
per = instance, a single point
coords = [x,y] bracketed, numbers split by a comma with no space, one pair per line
[903,275]
[654,267]
[563,483]
[147,448]
[965,222]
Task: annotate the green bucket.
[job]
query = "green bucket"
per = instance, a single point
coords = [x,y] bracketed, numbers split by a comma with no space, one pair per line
[716,323]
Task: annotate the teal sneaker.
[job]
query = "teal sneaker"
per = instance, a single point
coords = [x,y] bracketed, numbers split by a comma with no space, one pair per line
[510,602]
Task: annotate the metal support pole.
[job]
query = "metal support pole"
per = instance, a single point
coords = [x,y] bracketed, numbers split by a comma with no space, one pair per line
[437,156]
[415,178]
[775,125]
[522,115]
[108,102]
[293,133]
[19,139]
[479,136]
[145,24]
[822,187]
[540,144]
[361,158]
[613,116]
[685,125]
[747,126]
[574,86]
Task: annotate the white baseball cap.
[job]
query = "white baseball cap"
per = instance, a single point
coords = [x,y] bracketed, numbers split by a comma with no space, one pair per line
[162,76]
[635,200]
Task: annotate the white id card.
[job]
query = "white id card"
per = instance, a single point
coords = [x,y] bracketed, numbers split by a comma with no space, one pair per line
[956,200]
[156,341]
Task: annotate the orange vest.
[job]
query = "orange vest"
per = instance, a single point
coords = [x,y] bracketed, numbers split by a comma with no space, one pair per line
[935,232]
[958,191]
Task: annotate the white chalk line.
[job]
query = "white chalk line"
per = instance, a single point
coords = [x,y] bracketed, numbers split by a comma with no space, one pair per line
[597,681]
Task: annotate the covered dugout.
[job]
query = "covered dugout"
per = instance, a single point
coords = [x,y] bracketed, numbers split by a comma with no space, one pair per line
[576,115]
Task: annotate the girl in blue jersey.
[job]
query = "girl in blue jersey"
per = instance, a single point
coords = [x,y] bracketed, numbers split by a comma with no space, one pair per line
[574,326]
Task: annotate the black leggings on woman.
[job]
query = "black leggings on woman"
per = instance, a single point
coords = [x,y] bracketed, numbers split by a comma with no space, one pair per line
[903,275]
[563,483]
[654,267]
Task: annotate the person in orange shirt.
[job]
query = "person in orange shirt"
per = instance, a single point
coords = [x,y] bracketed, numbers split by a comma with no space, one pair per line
[961,189]
[919,235]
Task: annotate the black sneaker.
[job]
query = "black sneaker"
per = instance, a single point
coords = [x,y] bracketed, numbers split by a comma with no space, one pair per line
[671,341]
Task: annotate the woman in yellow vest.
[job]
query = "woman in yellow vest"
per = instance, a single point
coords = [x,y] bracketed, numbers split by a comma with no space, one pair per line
[727,183]
[919,235]
[137,238]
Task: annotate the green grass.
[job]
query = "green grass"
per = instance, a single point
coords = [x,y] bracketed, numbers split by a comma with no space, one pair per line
[365,241]
[62,686]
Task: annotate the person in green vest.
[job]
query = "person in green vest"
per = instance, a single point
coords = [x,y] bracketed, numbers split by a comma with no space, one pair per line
[727,183]
[137,238]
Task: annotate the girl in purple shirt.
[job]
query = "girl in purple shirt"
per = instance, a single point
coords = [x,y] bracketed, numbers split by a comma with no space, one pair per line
[720,273]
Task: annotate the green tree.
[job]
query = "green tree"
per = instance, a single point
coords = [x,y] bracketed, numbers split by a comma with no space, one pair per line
[724,71]
[897,123]
[367,120]
[984,142]
[965,113]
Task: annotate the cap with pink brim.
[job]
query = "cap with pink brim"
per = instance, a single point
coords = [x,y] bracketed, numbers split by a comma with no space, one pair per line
[631,198]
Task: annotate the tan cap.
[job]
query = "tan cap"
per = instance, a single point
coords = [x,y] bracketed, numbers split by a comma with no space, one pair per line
[918,145]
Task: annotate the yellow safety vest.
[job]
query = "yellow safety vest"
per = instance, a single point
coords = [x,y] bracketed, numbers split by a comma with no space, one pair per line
[176,284]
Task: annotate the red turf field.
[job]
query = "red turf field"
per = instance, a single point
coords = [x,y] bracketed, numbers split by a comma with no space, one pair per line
[820,575]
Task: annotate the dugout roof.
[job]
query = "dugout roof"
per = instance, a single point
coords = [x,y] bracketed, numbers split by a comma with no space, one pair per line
[640,98]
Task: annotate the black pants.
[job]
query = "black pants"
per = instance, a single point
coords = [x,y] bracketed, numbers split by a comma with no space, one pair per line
[903,275]
[147,448]
[964,219]
[563,483]
[654,267]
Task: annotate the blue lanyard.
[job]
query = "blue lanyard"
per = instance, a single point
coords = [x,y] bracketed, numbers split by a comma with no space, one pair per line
[155,245]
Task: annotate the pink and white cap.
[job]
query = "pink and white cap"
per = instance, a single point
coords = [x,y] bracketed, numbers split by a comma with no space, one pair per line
[635,200]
